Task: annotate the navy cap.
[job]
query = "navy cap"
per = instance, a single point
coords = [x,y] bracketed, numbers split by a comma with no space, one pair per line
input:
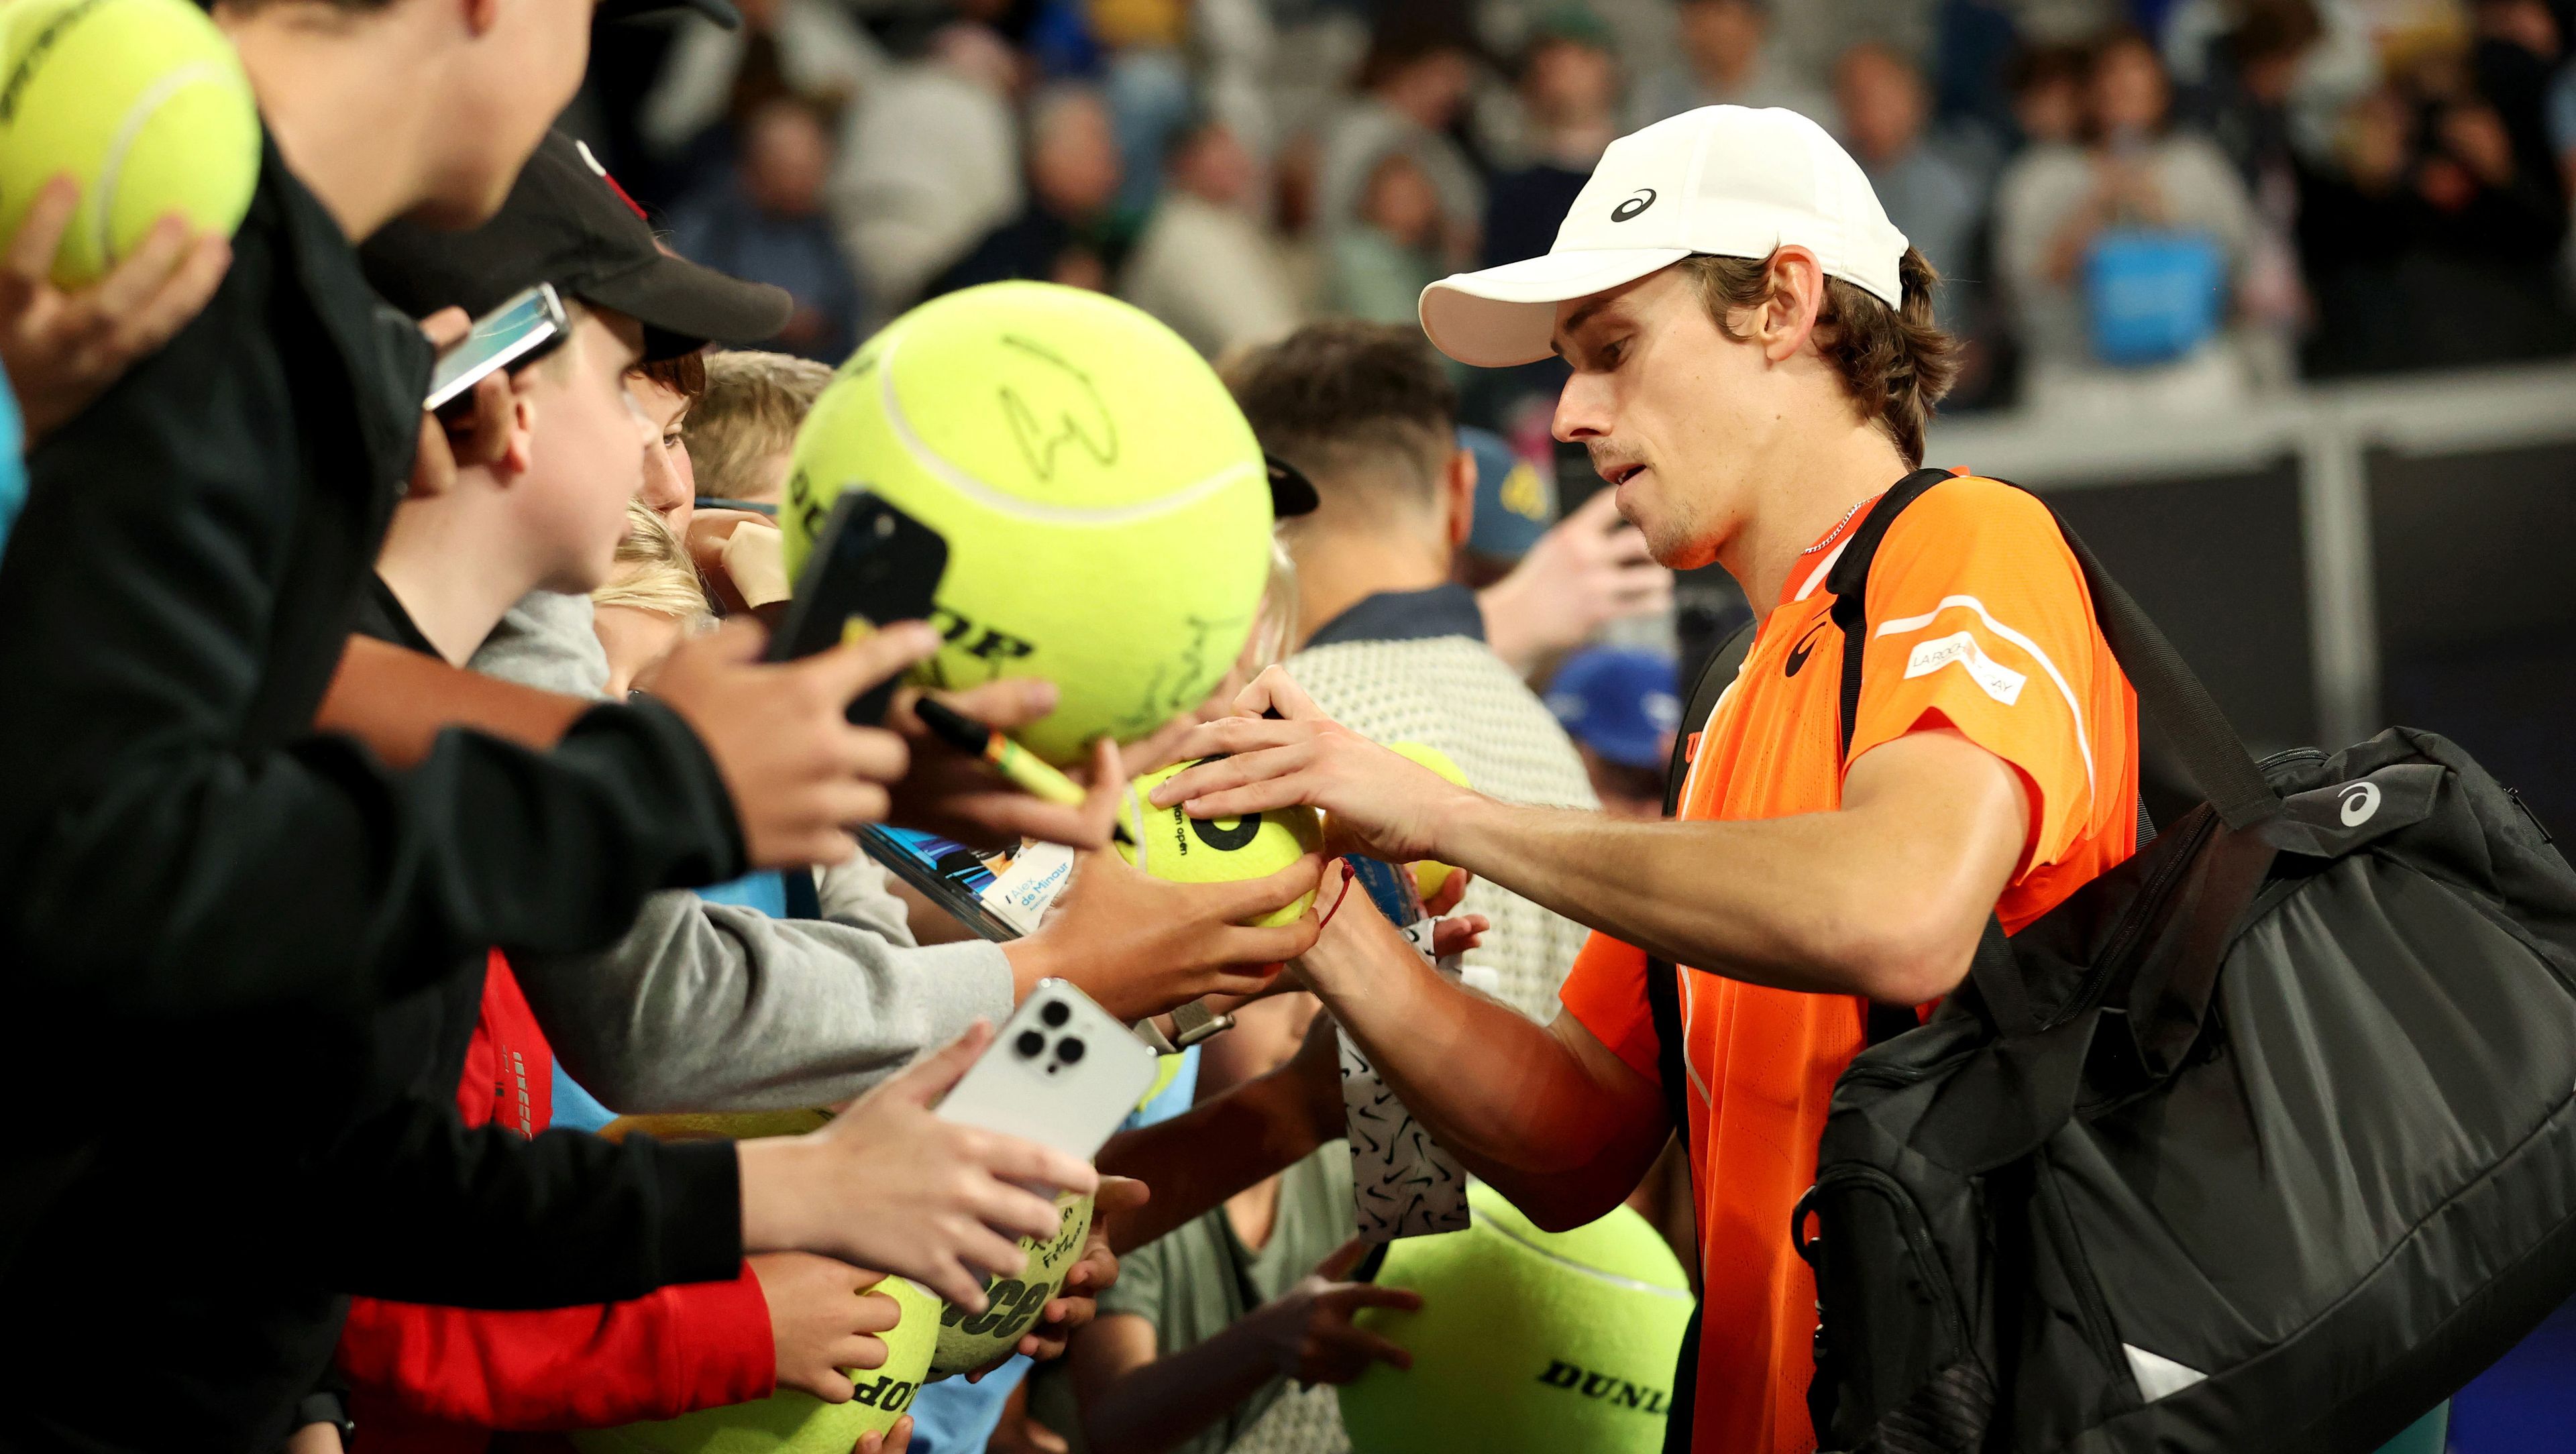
[1622,703]
[1515,500]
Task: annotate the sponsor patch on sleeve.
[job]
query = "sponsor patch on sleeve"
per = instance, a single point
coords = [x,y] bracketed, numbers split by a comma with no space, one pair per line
[1999,681]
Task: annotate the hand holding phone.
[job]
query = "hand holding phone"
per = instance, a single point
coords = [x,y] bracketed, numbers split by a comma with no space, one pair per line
[1062,1073]
[891,1186]
[872,565]
[520,331]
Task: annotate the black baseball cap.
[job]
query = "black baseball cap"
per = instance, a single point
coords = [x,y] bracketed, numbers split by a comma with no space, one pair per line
[1291,493]
[568,223]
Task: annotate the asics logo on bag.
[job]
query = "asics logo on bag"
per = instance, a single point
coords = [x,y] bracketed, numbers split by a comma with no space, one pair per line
[2357,802]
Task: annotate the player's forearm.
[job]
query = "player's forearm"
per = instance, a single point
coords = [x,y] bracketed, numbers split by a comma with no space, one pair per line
[1164,1403]
[1821,902]
[1493,1087]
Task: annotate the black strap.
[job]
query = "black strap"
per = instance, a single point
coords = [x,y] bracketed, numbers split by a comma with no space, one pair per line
[1663,990]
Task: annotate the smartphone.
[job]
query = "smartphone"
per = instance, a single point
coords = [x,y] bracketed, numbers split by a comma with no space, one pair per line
[872,566]
[520,331]
[947,873]
[1063,1072]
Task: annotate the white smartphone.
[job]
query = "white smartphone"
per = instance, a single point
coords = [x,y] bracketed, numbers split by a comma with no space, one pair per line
[520,331]
[1063,1072]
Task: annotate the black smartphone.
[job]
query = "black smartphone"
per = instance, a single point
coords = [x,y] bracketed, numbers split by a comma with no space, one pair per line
[872,566]
[520,331]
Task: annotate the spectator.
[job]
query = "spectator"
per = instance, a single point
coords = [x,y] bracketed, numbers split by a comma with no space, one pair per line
[1066,233]
[765,222]
[1205,264]
[1388,644]
[1413,83]
[1621,706]
[2120,256]
[1569,90]
[1389,252]
[714,77]
[2432,242]
[2047,87]
[2245,105]
[739,433]
[1723,64]
[650,601]
[1930,196]
[929,163]
[1515,505]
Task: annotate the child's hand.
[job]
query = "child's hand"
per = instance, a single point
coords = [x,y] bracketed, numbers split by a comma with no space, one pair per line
[1308,1330]
[1141,945]
[889,1185]
[822,1319]
[1077,1299]
[893,1441]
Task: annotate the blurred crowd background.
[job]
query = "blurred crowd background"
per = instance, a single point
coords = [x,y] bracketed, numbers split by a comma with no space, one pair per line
[2168,205]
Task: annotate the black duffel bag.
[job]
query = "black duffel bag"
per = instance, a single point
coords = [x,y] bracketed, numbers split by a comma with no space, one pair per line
[2264,1140]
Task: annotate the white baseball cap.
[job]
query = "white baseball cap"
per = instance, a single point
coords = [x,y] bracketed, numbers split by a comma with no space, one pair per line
[1723,180]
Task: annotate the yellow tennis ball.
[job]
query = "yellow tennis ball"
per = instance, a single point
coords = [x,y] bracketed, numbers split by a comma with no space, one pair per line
[1105,505]
[1526,1340]
[143,102]
[725,1126]
[790,1422]
[1172,845]
[1429,875]
[968,1341]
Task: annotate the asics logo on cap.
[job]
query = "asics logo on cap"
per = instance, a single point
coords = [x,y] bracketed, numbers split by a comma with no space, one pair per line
[1643,198]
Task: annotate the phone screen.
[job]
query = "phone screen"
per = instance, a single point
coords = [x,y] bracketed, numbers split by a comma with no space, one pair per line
[507,334]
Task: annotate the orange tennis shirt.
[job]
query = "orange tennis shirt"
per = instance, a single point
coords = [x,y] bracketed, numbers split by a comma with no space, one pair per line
[1978,621]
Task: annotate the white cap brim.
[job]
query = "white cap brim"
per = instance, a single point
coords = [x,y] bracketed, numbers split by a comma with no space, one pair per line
[1507,315]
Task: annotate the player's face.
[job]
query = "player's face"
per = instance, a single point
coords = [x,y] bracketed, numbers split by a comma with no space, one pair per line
[1673,411]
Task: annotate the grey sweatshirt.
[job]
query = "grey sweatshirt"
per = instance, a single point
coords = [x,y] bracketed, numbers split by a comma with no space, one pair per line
[710,1007]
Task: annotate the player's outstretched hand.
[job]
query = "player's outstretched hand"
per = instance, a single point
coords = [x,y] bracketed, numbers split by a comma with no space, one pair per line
[823,1317]
[890,1185]
[63,349]
[1141,946]
[959,797]
[1378,803]
[799,773]
[1308,1329]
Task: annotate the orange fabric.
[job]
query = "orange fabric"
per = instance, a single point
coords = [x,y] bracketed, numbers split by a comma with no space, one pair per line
[1978,621]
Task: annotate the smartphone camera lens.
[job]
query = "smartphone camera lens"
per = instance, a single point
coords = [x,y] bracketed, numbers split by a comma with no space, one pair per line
[1068,1050]
[1055,1013]
[1030,1044]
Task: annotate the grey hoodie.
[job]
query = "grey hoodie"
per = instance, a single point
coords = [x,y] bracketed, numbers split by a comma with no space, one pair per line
[710,1007]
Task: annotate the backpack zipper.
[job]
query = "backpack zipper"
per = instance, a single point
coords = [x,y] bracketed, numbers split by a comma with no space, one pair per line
[1918,1242]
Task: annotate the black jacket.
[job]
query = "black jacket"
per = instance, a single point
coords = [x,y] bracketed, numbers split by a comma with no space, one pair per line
[204,906]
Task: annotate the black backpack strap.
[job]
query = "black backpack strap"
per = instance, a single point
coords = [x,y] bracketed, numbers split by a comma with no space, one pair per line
[1849,582]
[1664,995]
[1663,990]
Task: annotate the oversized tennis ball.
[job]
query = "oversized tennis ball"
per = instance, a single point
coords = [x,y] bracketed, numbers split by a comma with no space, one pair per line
[968,1341]
[1527,1340]
[1106,508]
[790,1422]
[1429,875]
[143,102]
[1172,845]
[727,1126]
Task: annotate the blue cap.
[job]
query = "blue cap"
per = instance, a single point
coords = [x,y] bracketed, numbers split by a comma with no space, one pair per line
[1622,703]
[1515,500]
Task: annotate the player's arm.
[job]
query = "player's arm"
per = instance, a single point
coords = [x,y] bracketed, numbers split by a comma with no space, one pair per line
[1555,1120]
[1883,897]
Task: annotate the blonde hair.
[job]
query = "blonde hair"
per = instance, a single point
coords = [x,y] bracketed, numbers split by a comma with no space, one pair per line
[749,411]
[1274,626]
[654,572]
